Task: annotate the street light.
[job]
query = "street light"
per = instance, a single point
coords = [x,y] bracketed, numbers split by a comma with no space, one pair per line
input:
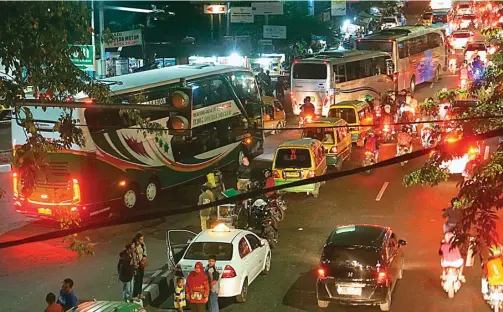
[134,10]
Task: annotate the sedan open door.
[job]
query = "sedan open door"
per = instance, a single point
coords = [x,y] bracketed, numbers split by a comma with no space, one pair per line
[177,242]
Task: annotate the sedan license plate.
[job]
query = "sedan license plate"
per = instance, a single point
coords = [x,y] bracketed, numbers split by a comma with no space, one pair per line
[351,291]
[292,175]
[44,211]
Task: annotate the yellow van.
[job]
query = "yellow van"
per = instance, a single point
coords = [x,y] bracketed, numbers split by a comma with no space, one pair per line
[357,114]
[296,160]
[334,136]
[274,115]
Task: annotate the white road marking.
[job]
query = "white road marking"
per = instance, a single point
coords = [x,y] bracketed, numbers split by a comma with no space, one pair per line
[381,192]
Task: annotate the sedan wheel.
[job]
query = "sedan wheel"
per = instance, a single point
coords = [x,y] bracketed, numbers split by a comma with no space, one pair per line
[241,298]
[387,305]
[267,266]
[323,303]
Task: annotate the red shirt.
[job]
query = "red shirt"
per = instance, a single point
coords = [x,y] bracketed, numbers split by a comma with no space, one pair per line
[55,307]
[269,182]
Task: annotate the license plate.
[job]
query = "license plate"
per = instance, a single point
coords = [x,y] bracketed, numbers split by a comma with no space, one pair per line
[45,211]
[292,174]
[352,291]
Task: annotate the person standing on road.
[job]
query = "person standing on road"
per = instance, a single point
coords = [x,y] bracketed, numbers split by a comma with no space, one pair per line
[141,253]
[214,281]
[205,197]
[52,306]
[126,270]
[67,298]
[244,175]
[197,288]
[453,215]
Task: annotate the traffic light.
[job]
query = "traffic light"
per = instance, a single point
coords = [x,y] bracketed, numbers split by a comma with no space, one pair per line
[180,119]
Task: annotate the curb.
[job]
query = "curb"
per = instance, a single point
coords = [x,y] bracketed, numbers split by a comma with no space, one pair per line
[156,287]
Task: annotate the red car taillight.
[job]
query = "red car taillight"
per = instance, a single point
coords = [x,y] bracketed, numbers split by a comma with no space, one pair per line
[15,184]
[228,272]
[321,273]
[382,277]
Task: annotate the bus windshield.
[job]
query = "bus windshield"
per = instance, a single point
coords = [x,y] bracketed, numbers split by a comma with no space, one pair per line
[310,71]
[439,19]
[384,46]
[245,86]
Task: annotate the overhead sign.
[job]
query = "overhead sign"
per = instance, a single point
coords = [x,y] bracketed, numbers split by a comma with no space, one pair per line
[338,8]
[125,39]
[88,62]
[267,8]
[241,15]
[215,9]
[274,32]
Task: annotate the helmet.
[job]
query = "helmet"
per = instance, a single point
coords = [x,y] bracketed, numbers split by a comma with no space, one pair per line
[259,203]
[495,250]
[369,97]
[267,172]
[307,99]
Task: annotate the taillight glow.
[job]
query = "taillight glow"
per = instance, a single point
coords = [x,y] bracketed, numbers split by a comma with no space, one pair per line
[333,149]
[76,191]
[122,183]
[321,273]
[15,184]
[248,141]
[228,272]
[382,277]
[276,174]
[310,174]
[88,101]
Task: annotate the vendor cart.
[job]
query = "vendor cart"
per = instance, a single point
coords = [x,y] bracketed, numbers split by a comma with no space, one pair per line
[227,213]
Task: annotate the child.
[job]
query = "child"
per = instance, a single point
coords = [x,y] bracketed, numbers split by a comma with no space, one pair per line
[52,306]
[180,294]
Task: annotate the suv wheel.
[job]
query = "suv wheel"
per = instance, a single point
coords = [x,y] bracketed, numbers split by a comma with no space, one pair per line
[241,298]
[323,303]
[267,266]
[387,305]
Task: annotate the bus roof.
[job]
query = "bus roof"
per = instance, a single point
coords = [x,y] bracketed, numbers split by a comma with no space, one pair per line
[157,77]
[400,32]
[343,56]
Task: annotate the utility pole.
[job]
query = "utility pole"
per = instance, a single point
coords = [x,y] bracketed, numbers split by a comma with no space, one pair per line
[220,26]
[228,20]
[211,26]
[102,43]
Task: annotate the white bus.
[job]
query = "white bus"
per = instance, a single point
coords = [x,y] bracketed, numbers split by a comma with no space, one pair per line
[121,167]
[334,77]
[419,53]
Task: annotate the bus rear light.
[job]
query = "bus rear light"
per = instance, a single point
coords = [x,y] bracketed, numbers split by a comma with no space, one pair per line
[15,184]
[76,191]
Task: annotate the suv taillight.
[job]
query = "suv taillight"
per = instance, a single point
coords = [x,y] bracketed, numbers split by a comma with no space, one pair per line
[321,273]
[382,277]
[15,184]
[228,272]
[76,191]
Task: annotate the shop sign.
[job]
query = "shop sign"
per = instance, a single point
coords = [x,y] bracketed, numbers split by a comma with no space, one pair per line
[87,63]
[267,8]
[338,7]
[241,15]
[125,39]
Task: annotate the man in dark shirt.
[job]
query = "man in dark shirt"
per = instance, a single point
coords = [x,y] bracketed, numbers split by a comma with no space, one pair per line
[453,215]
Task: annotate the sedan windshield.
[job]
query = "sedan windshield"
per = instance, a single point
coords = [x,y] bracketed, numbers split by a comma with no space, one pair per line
[202,250]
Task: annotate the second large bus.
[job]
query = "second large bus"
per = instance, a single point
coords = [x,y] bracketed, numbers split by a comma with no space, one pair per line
[419,53]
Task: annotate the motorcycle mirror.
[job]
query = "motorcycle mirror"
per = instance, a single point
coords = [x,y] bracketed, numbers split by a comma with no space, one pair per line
[402,242]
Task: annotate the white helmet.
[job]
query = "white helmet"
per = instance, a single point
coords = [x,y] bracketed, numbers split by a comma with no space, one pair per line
[448,237]
[259,203]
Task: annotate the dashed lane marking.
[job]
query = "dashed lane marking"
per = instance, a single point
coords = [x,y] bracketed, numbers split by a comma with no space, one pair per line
[381,192]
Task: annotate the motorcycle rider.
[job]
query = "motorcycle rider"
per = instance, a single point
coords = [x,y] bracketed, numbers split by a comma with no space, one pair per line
[477,66]
[244,175]
[451,255]
[453,215]
[404,139]
[493,270]
[370,100]
[372,145]
[269,182]
[308,108]
[464,71]
[387,117]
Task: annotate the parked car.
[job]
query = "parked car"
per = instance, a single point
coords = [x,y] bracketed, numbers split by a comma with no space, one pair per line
[360,265]
[241,256]
[460,38]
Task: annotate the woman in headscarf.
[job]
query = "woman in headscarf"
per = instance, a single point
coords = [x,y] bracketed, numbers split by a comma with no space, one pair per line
[197,288]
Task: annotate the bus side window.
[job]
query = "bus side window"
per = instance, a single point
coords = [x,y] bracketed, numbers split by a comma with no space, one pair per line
[352,70]
[403,49]
[209,91]
[340,73]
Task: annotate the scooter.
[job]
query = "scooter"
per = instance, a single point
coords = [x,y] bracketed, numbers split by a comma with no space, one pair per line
[402,150]
[278,207]
[428,138]
[495,298]
[263,222]
[451,281]
[370,159]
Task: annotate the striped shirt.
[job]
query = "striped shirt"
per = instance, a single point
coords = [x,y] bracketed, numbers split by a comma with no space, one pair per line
[180,297]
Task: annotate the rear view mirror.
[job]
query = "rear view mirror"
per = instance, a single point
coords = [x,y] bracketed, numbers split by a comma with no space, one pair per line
[401,242]
[262,242]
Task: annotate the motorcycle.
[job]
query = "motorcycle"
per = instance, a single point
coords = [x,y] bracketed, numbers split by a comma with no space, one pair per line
[495,298]
[451,281]
[428,138]
[387,133]
[369,159]
[305,120]
[263,222]
[402,150]
[278,207]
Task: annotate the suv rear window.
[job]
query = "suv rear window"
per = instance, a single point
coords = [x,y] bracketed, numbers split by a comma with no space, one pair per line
[202,250]
[348,114]
[461,35]
[293,158]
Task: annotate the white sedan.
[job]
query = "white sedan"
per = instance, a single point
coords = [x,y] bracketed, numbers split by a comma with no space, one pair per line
[241,256]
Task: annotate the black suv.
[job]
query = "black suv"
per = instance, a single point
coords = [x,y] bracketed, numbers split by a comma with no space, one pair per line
[360,265]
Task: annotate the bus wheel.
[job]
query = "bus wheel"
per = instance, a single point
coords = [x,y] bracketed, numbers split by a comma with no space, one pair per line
[412,86]
[152,190]
[130,198]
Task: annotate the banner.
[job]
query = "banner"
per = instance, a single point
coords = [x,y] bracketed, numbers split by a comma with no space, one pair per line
[274,32]
[125,39]
[241,15]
